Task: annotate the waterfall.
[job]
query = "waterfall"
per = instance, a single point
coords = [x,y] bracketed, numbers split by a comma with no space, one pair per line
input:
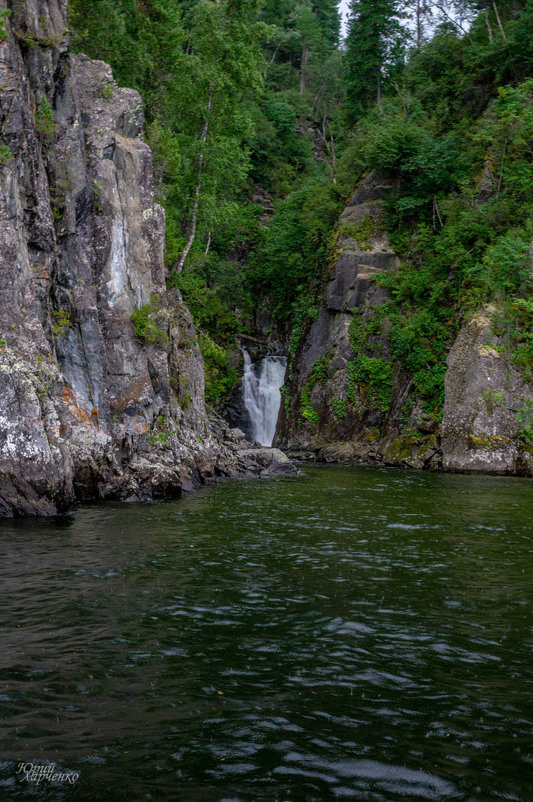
[261,395]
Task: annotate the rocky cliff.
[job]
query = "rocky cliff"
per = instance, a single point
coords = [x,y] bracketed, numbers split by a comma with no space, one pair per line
[347,401]
[101,379]
[487,422]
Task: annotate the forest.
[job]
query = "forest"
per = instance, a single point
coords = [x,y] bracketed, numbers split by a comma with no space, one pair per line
[263,118]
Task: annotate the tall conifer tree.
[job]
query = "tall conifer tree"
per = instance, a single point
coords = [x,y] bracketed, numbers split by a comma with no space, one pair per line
[373,46]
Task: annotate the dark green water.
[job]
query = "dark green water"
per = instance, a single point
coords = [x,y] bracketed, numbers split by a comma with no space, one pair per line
[352,634]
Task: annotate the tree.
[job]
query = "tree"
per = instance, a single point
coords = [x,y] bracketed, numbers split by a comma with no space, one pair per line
[309,33]
[304,35]
[373,48]
[221,73]
[421,14]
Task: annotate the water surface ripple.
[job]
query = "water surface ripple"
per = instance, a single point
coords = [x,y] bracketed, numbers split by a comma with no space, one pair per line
[352,634]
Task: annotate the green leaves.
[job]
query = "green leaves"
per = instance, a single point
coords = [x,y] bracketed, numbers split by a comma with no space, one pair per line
[373,50]
[376,374]
[147,322]
[297,244]
[44,120]
[506,133]
[506,266]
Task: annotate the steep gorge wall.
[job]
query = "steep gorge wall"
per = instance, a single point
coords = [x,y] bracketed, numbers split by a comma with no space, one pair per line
[346,401]
[88,408]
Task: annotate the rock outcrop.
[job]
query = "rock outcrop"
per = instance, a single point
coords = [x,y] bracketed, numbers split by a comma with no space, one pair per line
[101,377]
[345,400]
[331,413]
[487,419]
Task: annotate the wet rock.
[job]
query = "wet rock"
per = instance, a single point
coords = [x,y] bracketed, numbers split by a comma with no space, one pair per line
[427,424]
[269,461]
[236,435]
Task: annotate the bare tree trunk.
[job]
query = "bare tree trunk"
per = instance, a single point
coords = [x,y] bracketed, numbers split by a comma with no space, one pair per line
[436,210]
[179,263]
[487,20]
[303,68]
[208,243]
[455,22]
[418,24]
[274,54]
[498,20]
[402,98]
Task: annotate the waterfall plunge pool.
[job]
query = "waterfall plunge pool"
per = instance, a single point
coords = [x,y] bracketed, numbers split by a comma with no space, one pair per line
[349,634]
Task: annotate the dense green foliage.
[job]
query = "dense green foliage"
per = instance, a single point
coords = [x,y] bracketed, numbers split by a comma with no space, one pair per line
[234,96]
[455,133]
[373,50]
[261,124]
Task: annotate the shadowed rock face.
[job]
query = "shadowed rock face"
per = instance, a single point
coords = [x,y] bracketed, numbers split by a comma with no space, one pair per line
[329,415]
[88,409]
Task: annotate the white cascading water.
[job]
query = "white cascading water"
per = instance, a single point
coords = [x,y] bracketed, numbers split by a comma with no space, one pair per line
[261,395]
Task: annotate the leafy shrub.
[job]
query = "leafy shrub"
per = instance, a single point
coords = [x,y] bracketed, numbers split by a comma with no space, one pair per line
[505,267]
[297,245]
[61,322]
[492,399]
[319,373]
[339,407]
[145,322]
[5,13]
[219,377]
[160,439]
[5,155]
[376,373]
[524,417]
[44,120]
[307,410]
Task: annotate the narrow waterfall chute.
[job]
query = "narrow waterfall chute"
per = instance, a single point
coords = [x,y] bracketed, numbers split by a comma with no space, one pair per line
[261,395]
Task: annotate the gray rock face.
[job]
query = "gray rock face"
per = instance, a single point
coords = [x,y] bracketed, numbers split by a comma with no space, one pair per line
[487,405]
[331,415]
[88,408]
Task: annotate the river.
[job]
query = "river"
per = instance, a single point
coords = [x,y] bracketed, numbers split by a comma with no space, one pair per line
[359,634]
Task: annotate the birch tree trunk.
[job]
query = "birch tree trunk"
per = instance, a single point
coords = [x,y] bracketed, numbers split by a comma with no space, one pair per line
[179,263]
[498,20]
[487,20]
